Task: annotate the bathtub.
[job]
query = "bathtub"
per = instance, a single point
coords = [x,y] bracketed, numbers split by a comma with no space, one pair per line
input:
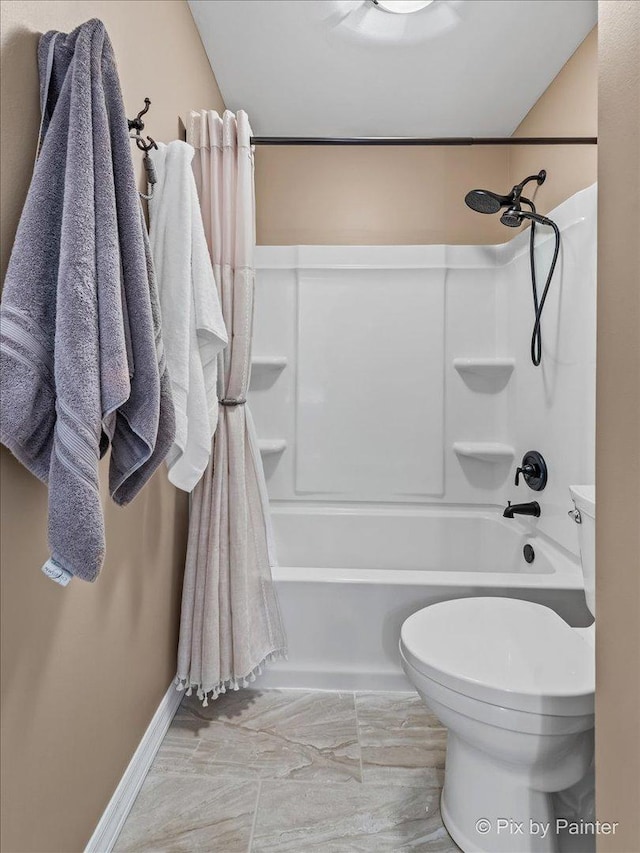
[348,577]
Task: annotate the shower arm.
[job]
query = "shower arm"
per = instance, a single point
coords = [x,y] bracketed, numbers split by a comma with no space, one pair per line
[516,192]
[539,179]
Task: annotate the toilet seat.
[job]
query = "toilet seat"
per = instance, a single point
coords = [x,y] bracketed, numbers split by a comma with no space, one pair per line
[506,652]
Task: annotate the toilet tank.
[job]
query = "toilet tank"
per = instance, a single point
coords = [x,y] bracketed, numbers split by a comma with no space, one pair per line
[584,499]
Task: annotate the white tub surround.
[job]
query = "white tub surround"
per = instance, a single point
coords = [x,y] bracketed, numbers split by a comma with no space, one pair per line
[407,399]
[398,357]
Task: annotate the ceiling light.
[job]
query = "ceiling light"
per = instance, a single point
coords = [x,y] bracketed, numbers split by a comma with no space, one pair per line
[402,7]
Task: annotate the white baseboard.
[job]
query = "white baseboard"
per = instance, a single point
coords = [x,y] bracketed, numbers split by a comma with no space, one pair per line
[110,824]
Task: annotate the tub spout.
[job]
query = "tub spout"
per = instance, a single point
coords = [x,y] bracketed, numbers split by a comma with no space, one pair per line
[531,508]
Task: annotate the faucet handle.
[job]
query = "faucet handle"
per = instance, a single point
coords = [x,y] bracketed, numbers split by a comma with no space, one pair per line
[526,471]
[534,471]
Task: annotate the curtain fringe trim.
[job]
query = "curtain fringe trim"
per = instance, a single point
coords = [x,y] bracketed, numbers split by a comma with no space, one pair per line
[233,683]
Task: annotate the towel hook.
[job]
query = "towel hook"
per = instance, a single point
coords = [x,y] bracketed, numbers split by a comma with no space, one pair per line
[142,145]
[137,125]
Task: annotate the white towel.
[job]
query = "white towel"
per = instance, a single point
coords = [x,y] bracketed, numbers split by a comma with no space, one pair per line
[193,328]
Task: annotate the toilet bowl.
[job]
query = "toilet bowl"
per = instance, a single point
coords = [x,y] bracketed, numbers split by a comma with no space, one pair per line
[514,684]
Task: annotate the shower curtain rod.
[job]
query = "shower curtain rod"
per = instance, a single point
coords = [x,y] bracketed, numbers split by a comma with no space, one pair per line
[416,140]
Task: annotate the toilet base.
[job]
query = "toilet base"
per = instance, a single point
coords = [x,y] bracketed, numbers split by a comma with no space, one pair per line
[486,809]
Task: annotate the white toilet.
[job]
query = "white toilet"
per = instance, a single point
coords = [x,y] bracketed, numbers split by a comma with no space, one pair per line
[514,684]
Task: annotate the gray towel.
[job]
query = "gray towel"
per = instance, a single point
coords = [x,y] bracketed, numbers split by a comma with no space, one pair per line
[81,359]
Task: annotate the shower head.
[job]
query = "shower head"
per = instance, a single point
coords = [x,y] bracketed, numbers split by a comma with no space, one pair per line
[484,201]
[514,215]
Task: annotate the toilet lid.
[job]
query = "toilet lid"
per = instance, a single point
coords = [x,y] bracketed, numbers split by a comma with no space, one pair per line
[503,651]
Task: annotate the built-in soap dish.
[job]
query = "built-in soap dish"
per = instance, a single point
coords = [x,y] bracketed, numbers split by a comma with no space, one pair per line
[486,451]
[268,363]
[265,370]
[489,367]
[271,446]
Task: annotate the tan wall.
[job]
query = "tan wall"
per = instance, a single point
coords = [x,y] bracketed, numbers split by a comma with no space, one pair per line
[569,107]
[372,195]
[84,668]
[618,428]
[375,195]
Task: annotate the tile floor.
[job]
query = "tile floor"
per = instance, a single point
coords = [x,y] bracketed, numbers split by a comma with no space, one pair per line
[298,771]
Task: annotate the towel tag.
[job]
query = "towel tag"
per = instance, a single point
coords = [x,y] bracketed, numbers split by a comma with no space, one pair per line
[55,571]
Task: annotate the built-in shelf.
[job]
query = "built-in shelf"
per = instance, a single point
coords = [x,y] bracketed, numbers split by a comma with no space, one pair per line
[486,451]
[269,362]
[271,446]
[499,367]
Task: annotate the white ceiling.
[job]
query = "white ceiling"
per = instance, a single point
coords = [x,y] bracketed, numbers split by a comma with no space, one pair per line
[346,68]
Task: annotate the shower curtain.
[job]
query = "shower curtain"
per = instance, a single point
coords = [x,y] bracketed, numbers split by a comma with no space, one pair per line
[230,621]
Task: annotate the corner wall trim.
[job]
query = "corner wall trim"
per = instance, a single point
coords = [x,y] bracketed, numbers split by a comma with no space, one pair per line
[110,824]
